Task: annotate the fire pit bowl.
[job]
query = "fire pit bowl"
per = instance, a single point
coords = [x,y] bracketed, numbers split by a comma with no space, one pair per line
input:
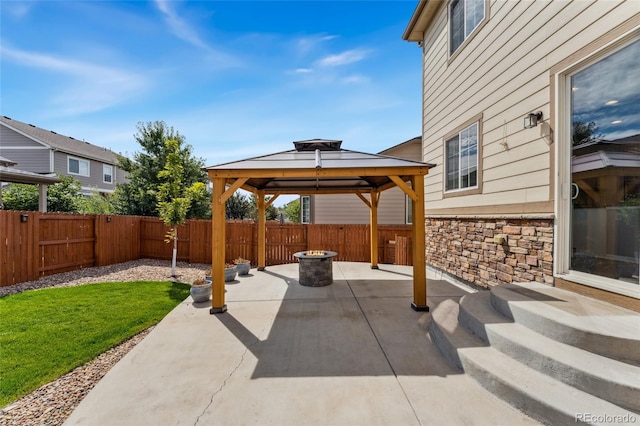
[315,267]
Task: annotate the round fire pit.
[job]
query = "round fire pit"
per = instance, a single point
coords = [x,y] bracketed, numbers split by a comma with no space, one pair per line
[315,267]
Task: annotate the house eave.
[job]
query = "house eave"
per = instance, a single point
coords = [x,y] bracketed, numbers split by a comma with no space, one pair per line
[421,19]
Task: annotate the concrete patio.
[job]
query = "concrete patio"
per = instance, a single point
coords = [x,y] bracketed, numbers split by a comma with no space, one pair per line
[351,353]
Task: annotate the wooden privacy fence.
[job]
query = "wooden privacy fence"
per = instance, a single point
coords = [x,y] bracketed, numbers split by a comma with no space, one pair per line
[33,244]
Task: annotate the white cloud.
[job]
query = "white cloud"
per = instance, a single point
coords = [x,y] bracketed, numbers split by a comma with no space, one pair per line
[303,70]
[305,45]
[91,88]
[16,9]
[344,58]
[179,26]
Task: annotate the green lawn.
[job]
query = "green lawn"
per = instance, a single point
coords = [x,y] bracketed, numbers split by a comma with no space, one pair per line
[47,333]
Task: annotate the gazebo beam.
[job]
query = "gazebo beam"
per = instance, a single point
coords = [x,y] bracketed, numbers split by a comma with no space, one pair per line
[418,243]
[237,184]
[320,173]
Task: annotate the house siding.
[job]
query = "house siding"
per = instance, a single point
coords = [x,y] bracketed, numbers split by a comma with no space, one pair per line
[95,178]
[27,153]
[503,74]
[349,209]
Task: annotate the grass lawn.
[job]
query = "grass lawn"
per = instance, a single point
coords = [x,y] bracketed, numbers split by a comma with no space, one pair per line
[47,333]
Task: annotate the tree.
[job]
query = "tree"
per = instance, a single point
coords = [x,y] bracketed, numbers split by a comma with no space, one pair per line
[271,212]
[140,195]
[63,196]
[292,211]
[174,196]
[96,203]
[584,132]
[21,196]
[237,207]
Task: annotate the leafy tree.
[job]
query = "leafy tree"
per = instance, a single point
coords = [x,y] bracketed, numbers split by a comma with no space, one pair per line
[237,207]
[292,211]
[584,132]
[63,196]
[174,196]
[140,195]
[96,204]
[271,212]
[21,196]
[200,198]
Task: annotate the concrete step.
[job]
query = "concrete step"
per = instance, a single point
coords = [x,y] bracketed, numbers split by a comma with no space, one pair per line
[570,318]
[448,335]
[540,396]
[612,380]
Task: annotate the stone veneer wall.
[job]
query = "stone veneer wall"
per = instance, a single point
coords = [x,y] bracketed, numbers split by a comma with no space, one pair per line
[466,248]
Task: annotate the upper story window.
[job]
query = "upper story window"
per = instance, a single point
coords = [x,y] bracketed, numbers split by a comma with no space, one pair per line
[305,209]
[464,18]
[461,159]
[107,173]
[77,166]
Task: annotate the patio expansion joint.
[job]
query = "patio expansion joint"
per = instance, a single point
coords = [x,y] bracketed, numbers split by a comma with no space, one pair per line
[386,357]
[224,383]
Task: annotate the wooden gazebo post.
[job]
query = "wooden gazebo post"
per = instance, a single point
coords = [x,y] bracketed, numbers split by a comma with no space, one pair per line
[218,239]
[418,244]
[373,225]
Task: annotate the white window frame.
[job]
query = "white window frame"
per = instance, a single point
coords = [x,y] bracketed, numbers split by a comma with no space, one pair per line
[562,227]
[79,160]
[467,33]
[302,208]
[105,174]
[446,140]
[408,210]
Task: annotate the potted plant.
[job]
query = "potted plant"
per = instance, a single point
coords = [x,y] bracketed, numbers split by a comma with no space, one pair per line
[200,290]
[230,272]
[242,266]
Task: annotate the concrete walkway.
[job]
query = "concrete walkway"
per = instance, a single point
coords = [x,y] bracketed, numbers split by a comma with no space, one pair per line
[352,353]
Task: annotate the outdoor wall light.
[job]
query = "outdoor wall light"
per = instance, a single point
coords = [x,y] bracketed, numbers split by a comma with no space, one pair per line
[531,119]
[108,218]
[24,218]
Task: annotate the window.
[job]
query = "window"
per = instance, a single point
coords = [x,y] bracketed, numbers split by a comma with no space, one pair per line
[461,159]
[305,209]
[464,17]
[107,173]
[409,210]
[599,154]
[77,166]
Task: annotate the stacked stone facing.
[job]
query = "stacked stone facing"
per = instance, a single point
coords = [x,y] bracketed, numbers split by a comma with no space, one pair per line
[487,252]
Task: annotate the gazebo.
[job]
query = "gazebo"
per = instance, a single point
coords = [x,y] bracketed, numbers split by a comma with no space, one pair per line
[318,166]
[8,173]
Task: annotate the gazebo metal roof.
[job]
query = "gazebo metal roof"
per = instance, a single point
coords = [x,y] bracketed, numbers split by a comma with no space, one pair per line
[317,166]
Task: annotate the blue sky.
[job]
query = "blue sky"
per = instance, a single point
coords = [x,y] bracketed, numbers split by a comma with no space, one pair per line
[236,78]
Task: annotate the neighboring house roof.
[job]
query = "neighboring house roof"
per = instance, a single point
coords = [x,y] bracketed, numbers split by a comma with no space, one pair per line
[416,140]
[6,162]
[59,142]
[320,165]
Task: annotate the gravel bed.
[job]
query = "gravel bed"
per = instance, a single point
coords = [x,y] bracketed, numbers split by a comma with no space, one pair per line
[52,403]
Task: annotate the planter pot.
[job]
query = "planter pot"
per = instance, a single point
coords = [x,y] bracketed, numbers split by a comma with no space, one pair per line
[243,268]
[200,293]
[230,274]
